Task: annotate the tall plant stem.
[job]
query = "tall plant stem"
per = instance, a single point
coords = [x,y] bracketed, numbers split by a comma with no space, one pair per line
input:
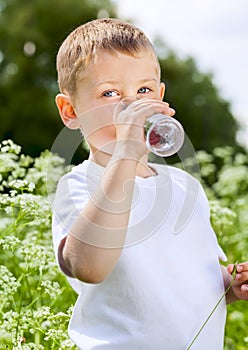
[215,307]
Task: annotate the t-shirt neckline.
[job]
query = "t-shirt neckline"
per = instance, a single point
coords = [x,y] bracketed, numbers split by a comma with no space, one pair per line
[100,169]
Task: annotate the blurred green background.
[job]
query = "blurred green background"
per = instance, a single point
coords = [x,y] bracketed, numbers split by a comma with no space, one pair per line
[30,35]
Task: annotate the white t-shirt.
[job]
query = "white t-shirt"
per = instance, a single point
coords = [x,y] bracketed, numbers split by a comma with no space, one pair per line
[167,279]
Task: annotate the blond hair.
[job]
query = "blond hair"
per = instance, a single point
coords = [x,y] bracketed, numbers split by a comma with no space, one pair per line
[86,41]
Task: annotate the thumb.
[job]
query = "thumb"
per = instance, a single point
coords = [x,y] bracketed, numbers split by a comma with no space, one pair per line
[230,268]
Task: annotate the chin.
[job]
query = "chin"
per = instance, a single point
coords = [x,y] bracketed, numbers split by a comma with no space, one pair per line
[103,147]
[108,149]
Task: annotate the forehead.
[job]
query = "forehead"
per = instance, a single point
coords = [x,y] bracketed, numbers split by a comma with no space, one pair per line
[108,65]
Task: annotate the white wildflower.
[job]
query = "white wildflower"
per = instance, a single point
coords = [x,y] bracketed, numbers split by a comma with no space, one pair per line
[8,210]
[51,288]
[10,147]
[8,283]
[13,193]
[42,312]
[10,242]
[8,162]
[18,184]
[31,187]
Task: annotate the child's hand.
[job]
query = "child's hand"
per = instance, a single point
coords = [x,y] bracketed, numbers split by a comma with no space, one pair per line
[130,117]
[240,284]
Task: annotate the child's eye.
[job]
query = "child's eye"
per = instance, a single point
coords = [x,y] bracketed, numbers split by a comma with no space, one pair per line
[109,93]
[143,90]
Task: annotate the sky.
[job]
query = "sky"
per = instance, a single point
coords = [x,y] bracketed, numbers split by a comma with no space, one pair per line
[214,33]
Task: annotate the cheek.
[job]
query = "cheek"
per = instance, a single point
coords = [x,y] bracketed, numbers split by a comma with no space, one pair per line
[97,127]
[103,139]
[104,133]
[96,121]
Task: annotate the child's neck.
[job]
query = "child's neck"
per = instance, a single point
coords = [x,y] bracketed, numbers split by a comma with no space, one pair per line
[143,169]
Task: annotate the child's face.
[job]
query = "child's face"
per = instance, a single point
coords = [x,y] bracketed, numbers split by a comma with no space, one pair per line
[109,80]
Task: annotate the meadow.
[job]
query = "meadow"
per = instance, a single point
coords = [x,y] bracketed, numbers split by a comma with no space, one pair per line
[36,300]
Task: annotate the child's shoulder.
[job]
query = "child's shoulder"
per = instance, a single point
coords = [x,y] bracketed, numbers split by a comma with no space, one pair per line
[86,168]
[86,174]
[173,171]
[75,173]
[180,178]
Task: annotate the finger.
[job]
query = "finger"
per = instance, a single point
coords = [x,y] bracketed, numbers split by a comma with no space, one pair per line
[242,267]
[122,105]
[144,108]
[148,108]
[137,104]
[244,288]
[230,268]
[242,276]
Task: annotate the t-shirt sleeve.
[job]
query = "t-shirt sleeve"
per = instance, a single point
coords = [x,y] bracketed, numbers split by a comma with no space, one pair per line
[220,252]
[221,255]
[71,196]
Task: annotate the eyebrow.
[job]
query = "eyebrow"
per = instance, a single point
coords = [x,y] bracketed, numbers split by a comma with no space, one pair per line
[116,82]
[148,80]
[107,82]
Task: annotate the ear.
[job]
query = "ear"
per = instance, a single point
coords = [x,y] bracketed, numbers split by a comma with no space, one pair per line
[66,111]
[162,90]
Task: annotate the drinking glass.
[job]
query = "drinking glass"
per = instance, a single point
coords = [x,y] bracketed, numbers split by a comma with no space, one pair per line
[164,135]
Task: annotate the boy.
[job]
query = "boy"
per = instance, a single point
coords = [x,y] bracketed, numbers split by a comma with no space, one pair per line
[140,285]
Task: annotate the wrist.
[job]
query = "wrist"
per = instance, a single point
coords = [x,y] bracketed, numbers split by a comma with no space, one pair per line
[231,296]
[129,149]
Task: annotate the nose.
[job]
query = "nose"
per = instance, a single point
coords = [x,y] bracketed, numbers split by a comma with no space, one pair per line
[126,101]
[123,104]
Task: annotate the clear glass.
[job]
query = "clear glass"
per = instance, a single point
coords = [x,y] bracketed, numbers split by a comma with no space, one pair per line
[164,135]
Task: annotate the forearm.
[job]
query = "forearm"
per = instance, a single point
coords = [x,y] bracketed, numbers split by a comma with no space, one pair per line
[96,239]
